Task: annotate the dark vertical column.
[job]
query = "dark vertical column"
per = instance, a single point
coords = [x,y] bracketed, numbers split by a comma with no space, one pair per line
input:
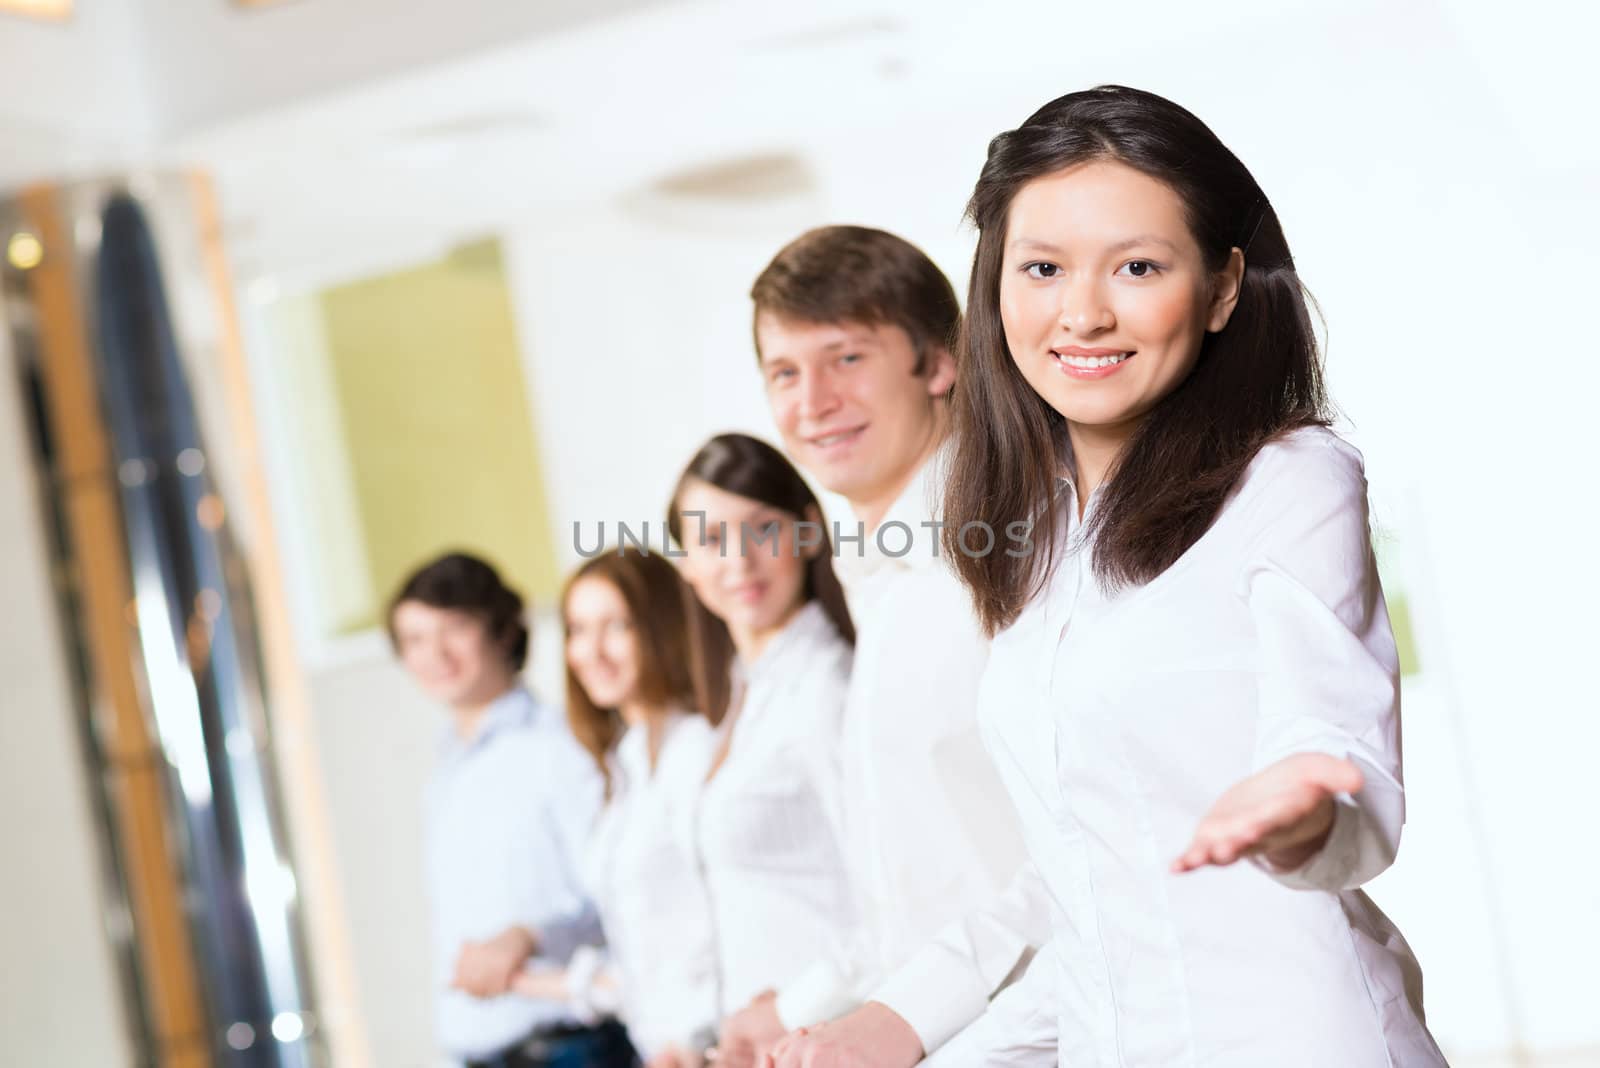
[158,604]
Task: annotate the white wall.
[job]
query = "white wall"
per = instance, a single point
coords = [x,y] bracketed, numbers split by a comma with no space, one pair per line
[77,93]
[375,735]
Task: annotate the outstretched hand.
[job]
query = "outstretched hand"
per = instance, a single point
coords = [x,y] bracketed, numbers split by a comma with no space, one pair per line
[1282,813]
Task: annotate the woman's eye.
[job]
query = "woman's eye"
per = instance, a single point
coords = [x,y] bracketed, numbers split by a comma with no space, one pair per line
[1139,269]
[853,357]
[1041,270]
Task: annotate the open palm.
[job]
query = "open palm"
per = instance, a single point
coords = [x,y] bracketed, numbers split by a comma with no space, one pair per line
[1283,813]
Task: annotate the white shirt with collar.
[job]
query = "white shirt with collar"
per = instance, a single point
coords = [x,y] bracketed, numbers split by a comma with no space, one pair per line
[768,821]
[934,847]
[641,868]
[1117,719]
[506,817]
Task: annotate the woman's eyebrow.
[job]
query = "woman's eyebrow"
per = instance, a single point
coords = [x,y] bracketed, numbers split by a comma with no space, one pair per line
[1037,245]
[1143,239]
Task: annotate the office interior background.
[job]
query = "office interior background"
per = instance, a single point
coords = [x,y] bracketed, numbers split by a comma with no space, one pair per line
[475,274]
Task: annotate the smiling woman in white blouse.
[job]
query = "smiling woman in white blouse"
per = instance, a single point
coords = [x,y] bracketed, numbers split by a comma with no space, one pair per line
[1194,666]
[767,826]
[629,695]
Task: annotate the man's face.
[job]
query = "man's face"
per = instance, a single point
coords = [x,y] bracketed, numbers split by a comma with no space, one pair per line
[451,654]
[849,406]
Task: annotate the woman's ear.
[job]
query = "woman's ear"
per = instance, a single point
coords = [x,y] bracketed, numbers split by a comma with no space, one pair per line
[1225,286]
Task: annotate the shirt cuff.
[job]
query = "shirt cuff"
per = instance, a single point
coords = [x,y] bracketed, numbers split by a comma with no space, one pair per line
[1329,866]
[937,1001]
[589,1000]
[821,992]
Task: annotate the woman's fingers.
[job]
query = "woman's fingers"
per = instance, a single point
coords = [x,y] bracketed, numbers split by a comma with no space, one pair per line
[1275,808]
[1192,858]
[1222,842]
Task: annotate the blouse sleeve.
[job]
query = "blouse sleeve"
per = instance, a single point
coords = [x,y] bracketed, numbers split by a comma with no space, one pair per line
[1018,1030]
[947,984]
[573,798]
[592,986]
[1328,674]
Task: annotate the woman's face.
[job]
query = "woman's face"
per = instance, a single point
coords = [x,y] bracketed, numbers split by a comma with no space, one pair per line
[602,644]
[741,559]
[1105,295]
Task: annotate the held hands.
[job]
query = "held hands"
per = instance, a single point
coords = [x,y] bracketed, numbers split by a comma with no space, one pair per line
[873,1036]
[487,969]
[541,985]
[1283,814]
[750,1032]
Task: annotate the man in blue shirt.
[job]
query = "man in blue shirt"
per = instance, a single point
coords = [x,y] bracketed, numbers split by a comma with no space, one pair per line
[512,799]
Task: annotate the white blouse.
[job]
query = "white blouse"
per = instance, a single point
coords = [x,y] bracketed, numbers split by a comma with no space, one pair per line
[1118,719]
[768,821]
[640,867]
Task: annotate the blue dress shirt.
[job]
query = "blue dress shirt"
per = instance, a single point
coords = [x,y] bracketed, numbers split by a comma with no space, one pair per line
[507,814]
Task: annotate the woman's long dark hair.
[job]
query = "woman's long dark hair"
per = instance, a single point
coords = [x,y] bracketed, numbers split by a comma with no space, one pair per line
[1257,378]
[658,602]
[749,467]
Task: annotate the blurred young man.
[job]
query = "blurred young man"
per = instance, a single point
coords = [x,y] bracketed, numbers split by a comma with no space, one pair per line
[511,800]
[853,331]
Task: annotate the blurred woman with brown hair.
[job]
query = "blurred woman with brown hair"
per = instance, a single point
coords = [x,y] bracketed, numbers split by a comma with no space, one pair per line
[772,659]
[630,703]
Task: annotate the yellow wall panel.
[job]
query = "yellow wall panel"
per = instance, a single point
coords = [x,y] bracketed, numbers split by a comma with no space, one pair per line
[434,408]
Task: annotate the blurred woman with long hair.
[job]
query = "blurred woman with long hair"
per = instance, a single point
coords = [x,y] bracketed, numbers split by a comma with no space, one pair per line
[772,660]
[630,703]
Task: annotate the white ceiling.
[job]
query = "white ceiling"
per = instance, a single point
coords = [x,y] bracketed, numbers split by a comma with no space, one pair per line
[616,106]
[359,131]
[649,108]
